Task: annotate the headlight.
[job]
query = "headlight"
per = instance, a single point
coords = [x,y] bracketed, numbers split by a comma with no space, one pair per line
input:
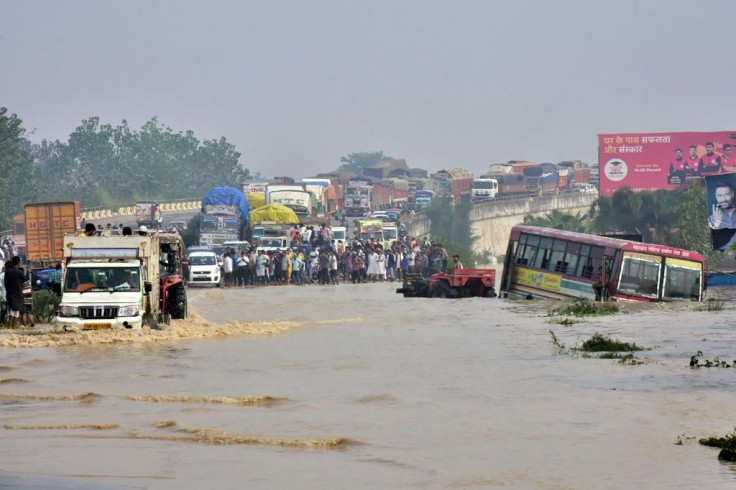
[68,310]
[131,310]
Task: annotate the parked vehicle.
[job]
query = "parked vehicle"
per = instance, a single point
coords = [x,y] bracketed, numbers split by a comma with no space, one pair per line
[225,216]
[179,225]
[204,267]
[484,188]
[148,213]
[358,199]
[423,199]
[46,224]
[555,264]
[456,181]
[122,282]
[585,188]
[297,197]
[339,233]
[457,283]
[18,234]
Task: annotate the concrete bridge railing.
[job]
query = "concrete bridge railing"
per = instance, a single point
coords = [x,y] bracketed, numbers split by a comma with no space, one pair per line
[92,214]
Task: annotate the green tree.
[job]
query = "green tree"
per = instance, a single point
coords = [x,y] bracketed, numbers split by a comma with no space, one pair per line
[558,220]
[693,232]
[450,226]
[356,162]
[17,173]
[106,165]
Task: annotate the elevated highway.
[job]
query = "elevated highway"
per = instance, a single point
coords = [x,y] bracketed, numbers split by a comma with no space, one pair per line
[491,221]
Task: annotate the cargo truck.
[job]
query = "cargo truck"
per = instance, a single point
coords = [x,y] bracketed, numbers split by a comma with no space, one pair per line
[113,282]
[46,223]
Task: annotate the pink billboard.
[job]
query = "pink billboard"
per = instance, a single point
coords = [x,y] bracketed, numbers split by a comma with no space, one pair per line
[651,161]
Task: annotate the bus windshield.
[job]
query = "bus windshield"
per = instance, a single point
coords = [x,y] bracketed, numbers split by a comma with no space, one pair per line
[682,279]
[640,275]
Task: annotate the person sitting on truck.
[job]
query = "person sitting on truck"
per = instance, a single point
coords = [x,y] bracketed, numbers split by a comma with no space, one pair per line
[89,229]
[456,260]
[127,231]
[143,230]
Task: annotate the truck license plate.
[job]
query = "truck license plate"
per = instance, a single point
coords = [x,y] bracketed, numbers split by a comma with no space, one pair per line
[97,326]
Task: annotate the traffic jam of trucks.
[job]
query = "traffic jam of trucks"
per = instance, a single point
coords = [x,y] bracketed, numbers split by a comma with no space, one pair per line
[263,213]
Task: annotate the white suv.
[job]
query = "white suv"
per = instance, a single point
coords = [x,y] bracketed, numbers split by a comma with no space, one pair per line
[203,268]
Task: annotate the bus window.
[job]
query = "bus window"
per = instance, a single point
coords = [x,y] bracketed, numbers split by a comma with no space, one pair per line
[557,259]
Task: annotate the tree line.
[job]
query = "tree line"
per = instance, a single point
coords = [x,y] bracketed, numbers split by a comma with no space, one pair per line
[105,165]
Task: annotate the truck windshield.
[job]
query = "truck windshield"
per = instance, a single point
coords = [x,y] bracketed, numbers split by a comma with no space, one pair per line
[389,233]
[209,224]
[231,224]
[102,278]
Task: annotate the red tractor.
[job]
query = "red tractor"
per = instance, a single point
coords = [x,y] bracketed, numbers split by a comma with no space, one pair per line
[458,283]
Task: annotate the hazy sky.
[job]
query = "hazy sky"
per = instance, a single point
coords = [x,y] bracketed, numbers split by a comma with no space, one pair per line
[296,85]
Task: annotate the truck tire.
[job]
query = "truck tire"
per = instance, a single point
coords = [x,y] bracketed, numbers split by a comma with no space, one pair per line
[490,293]
[176,302]
[443,290]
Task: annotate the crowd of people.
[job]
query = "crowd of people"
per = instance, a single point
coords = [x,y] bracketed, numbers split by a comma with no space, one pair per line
[315,258]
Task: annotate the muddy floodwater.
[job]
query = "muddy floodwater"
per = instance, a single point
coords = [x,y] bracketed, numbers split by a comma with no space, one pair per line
[357,387]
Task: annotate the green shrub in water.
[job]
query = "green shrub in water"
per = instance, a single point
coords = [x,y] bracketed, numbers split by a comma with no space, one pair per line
[45,303]
[600,343]
[727,444]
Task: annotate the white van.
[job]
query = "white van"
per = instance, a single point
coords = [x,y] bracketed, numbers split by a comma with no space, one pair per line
[585,188]
[204,268]
[237,245]
[339,233]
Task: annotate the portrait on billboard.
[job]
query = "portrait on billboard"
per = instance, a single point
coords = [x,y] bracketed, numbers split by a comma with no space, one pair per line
[721,209]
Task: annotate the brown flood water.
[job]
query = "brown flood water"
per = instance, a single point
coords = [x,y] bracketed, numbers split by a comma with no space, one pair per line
[357,387]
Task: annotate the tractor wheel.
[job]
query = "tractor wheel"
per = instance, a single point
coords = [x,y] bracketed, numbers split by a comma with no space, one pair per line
[176,302]
[443,290]
[490,293]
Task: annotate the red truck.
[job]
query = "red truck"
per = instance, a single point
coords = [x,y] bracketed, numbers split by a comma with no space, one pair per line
[458,283]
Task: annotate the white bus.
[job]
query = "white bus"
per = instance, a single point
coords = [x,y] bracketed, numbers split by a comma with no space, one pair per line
[484,189]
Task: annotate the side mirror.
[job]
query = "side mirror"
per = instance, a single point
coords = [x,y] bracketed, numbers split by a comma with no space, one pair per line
[147,287]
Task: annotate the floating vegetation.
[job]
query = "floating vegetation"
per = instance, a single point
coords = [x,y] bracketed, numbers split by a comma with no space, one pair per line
[584,307]
[609,348]
[727,444]
[712,304]
[682,438]
[717,362]
[599,343]
[564,321]
[629,358]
